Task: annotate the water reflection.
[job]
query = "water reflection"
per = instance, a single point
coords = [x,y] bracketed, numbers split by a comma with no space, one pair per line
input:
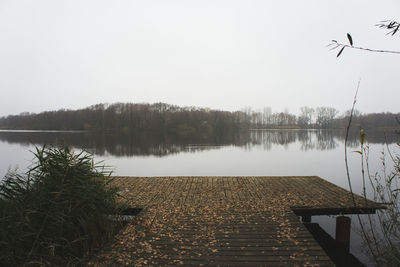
[162,144]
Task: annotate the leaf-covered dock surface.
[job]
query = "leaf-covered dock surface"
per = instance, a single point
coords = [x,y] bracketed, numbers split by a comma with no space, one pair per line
[226,221]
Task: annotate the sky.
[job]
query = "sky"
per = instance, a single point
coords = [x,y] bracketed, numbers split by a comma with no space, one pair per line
[221,54]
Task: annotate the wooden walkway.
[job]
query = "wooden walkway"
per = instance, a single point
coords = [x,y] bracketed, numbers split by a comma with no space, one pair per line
[226,221]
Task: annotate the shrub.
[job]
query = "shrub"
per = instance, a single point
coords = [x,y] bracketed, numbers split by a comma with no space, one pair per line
[57,212]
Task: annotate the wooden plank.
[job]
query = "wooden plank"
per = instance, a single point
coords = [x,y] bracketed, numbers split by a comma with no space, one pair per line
[226,220]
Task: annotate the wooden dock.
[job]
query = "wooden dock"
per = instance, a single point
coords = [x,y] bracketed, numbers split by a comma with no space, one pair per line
[226,221]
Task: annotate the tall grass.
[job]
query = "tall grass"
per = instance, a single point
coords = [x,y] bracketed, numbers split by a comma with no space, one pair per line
[383,231]
[57,212]
[380,234]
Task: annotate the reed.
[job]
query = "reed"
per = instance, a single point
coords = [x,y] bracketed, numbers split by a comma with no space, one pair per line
[57,212]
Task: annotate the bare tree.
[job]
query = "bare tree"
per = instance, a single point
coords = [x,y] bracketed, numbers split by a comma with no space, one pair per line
[306,116]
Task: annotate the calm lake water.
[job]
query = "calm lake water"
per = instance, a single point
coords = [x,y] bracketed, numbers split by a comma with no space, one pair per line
[248,153]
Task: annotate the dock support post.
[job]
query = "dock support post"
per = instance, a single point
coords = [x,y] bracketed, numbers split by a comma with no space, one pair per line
[306,218]
[343,224]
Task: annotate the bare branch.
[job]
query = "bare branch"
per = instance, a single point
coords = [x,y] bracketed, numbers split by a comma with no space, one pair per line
[337,44]
[391,25]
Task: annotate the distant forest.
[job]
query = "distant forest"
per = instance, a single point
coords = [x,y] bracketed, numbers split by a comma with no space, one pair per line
[130,117]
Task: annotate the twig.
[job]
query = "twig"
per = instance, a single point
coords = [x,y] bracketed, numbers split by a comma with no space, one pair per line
[342,45]
[345,143]
[348,173]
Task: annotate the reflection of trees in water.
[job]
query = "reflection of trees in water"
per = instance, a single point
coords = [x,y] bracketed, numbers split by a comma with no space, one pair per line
[320,139]
[138,144]
[306,140]
[314,139]
[325,140]
[162,143]
[267,138]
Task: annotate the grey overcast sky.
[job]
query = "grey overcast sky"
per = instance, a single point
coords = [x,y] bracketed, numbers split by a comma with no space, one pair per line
[223,54]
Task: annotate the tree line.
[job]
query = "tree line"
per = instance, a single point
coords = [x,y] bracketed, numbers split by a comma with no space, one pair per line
[130,117]
[319,118]
[127,117]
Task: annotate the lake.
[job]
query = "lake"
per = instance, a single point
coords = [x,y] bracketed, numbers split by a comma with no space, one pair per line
[245,153]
